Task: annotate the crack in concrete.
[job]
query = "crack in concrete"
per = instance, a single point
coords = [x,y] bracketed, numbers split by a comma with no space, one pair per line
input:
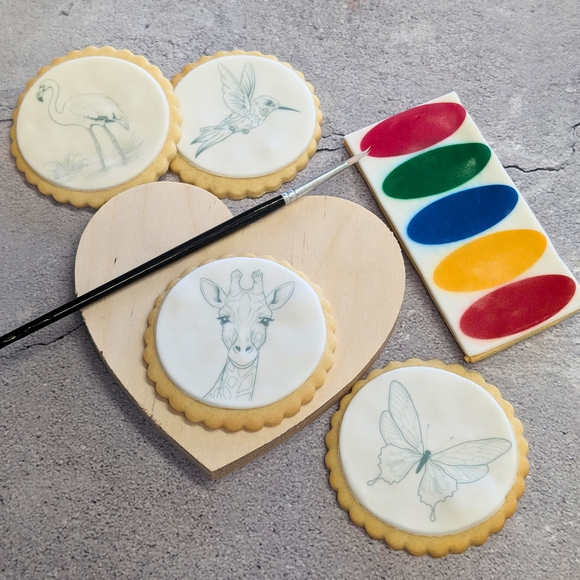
[56,339]
[533,170]
[330,148]
[333,135]
[574,127]
[552,169]
[66,11]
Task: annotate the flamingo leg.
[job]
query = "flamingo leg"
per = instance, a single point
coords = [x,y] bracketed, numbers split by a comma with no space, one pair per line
[115,142]
[98,148]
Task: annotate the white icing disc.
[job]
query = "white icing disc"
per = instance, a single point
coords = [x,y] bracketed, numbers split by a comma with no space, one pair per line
[236,118]
[92,123]
[427,451]
[240,333]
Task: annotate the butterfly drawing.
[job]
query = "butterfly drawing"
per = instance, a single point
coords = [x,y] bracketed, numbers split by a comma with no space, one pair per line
[443,470]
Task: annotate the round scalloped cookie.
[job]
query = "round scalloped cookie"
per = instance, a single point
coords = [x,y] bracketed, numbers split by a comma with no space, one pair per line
[427,457]
[240,343]
[250,123]
[94,123]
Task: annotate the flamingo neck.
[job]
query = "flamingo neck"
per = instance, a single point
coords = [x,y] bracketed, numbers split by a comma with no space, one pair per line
[52,108]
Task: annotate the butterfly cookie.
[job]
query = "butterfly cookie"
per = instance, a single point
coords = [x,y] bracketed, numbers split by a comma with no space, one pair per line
[444,439]
[465,462]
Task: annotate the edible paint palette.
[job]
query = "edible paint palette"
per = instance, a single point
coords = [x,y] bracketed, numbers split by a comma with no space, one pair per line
[482,254]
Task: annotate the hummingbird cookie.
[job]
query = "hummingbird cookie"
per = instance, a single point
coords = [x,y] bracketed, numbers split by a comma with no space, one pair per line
[94,123]
[250,123]
[427,457]
[240,343]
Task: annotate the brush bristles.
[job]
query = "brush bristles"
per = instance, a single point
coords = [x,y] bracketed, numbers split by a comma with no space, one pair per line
[356,158]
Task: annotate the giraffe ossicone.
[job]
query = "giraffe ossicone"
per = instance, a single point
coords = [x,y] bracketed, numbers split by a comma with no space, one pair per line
[244,315]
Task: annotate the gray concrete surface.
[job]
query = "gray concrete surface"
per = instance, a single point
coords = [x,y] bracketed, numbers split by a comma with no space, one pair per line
[89,489]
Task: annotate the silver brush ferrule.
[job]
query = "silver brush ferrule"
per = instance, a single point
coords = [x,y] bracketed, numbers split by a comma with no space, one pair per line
[294,194]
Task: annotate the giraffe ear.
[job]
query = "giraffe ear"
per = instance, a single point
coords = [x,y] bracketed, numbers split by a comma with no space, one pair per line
[278,297]
[214,295]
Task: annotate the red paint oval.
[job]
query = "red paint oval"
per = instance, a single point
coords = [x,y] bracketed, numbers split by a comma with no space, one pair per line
[413,130]
[518,306]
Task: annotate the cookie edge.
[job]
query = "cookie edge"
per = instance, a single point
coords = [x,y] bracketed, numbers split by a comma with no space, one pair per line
[158,167]
[239,188]
[436,546]
[234,420]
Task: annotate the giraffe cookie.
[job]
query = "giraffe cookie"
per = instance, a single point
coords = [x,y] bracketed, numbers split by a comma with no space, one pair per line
[427,457]
[240,343]
[94,123]
[250,123]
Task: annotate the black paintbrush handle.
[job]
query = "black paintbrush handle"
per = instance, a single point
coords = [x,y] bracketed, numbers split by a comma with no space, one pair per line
[208,237]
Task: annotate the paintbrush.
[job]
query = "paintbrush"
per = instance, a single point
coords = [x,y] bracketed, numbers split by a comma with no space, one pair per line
[216,233]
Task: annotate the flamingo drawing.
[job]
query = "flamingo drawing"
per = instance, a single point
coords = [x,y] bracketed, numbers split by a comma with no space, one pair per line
[85,110]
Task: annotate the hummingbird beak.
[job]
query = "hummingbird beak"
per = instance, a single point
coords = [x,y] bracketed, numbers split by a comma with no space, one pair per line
[288,109]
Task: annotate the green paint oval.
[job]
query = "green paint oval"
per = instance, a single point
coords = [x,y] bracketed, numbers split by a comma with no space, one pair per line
[436,171]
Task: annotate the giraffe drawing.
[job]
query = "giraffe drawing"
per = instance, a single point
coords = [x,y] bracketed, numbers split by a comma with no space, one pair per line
[244,315]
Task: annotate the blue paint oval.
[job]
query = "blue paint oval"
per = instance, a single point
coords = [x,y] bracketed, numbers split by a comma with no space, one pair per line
[462,215]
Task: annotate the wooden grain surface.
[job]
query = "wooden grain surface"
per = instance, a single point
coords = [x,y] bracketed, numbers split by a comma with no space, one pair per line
[342,247]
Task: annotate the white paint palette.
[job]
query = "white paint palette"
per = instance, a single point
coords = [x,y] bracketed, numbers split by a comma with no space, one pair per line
[485,259]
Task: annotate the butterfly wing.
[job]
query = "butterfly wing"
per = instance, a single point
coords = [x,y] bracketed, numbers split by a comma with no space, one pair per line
[391,433]
[395,463]
[464,473]
[404,416]
[436,486]
[401,430]
[463,463]
[470,453]
[236,93]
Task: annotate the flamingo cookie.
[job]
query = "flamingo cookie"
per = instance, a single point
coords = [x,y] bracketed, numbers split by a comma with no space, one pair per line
[81,135]
[85,110]
[250,123]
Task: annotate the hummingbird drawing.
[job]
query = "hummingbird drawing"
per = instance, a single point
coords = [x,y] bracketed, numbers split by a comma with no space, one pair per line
[247,112]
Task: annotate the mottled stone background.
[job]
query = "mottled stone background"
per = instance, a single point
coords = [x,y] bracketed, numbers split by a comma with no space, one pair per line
[89,489]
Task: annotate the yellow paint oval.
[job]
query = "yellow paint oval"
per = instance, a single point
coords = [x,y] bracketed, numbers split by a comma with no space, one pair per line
[489,261]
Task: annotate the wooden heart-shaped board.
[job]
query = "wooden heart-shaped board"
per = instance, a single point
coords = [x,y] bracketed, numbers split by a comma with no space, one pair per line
[342,247]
